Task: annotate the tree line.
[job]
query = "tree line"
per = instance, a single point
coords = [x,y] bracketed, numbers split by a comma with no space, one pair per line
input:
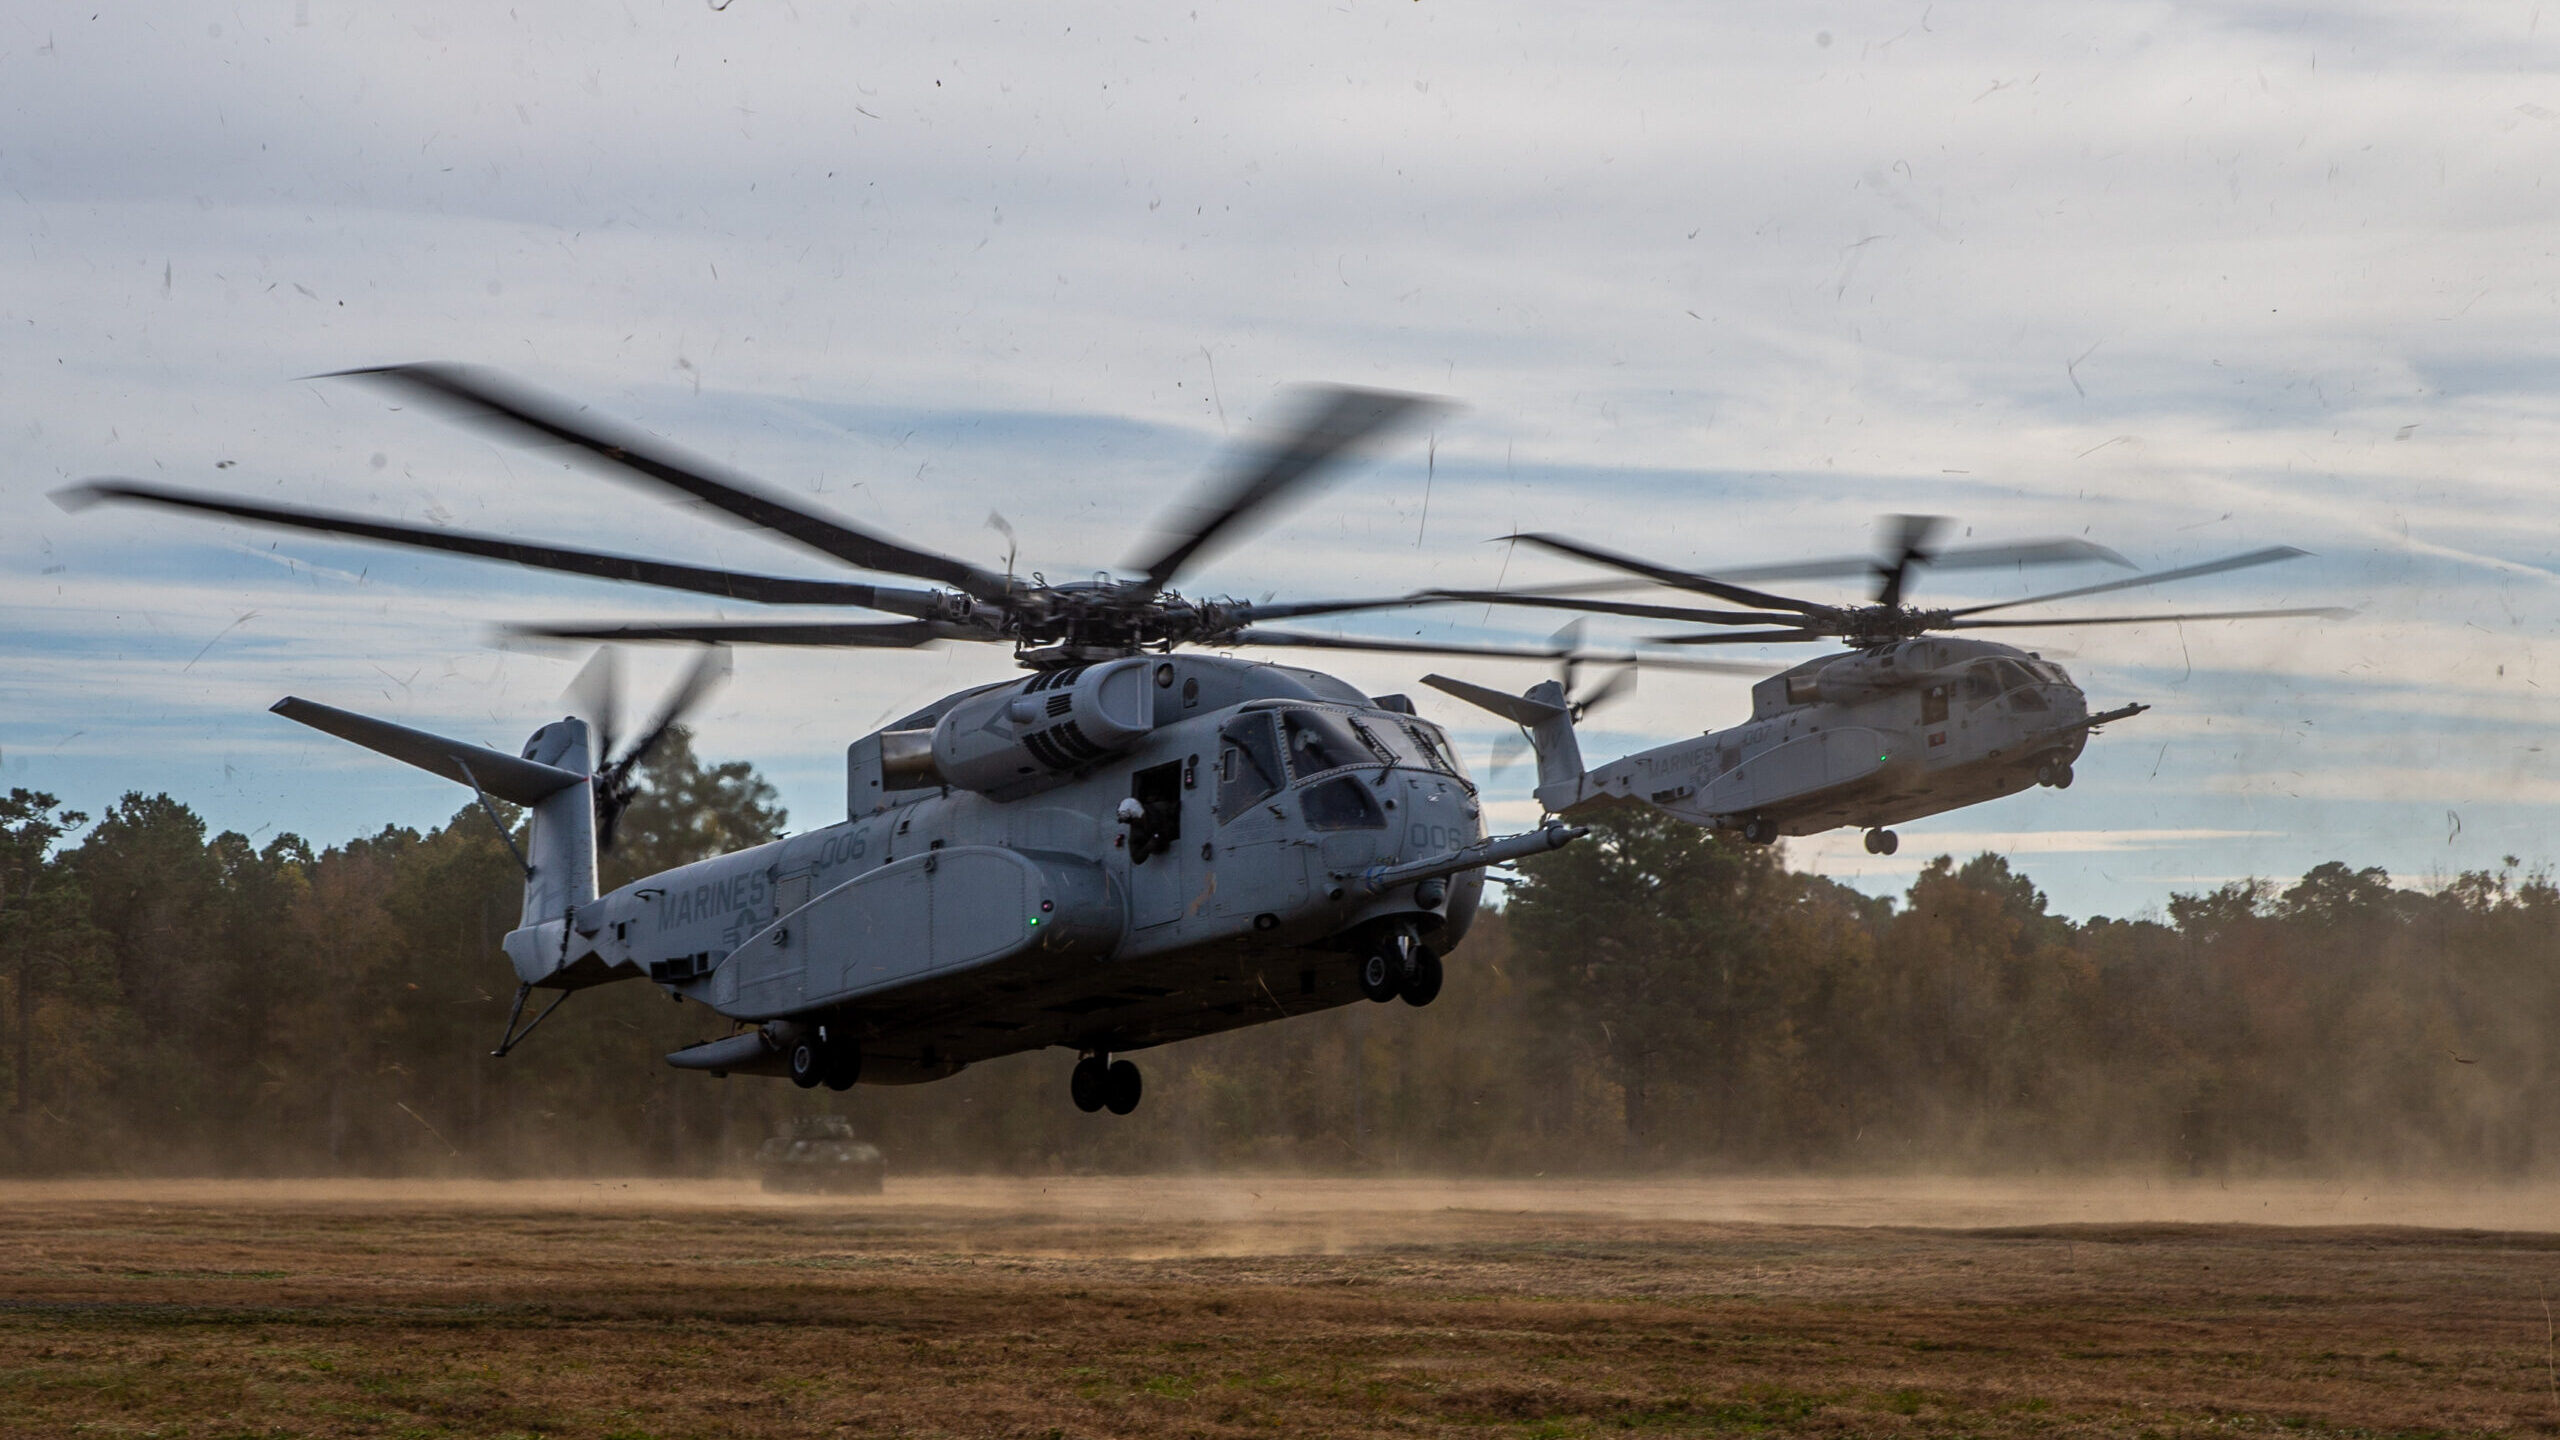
[1654,998]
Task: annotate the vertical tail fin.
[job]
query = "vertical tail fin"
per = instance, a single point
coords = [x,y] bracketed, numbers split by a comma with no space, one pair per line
[560,834]
[1559,750]
[1544,713]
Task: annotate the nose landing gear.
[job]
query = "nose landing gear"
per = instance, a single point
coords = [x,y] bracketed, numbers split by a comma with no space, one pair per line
[1881,841]
[2055,772]
[1101,1083]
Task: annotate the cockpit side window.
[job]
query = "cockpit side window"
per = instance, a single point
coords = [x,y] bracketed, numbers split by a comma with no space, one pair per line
[1248,765]
[1341,803]
[1317,742]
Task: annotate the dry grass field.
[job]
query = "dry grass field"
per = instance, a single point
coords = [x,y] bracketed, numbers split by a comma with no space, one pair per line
[1142,1307]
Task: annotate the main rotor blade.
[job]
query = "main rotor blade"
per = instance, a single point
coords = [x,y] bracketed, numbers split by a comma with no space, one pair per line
[1333,420]
[2309,612]
[1292,639]
[1526,598]
[1953,557]
[1298,609]
[2268,556]
[1536,600]
[511,406]
[890,635]
[1677,579]
[1740,637]
[667,575]
[2025,552]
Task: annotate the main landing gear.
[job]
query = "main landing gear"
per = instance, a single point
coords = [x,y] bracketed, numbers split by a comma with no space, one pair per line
[819,1058]
[1760,830]
[1882,842]
[1101,1083]
[1399,965]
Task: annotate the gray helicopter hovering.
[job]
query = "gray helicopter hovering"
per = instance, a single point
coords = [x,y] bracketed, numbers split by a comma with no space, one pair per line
[1133,845]
[1908,722]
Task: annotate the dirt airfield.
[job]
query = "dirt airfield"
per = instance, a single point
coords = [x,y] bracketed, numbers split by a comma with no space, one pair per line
[1197,1307]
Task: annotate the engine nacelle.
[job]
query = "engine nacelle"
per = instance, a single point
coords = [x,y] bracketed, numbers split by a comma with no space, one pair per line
[1029,736]
[1907,665]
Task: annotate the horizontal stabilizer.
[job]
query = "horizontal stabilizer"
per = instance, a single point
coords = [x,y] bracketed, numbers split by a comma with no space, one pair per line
[1518,708]
[508,777]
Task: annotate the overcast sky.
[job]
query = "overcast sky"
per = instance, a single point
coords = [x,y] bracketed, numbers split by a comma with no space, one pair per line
[1720,284]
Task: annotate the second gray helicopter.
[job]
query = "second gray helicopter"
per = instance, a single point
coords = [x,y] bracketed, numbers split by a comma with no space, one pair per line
[1907,723]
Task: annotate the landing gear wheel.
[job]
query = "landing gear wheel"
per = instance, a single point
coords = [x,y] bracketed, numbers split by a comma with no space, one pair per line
[1882,842]
[1088,1084]
[808,1064]
[1121,1087]
[1759,830]
[2056,773]
[2062,777]
[844,1066]
[1422,977]
[1379,979]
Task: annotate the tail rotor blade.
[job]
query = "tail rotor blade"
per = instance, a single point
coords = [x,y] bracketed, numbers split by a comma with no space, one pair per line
[1568,648]
[710,668]
[1620,682]
[1508,747]
[596,696]
[1908,547]
[616,784]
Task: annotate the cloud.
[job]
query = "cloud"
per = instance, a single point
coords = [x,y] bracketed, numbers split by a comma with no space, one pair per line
[2180,281]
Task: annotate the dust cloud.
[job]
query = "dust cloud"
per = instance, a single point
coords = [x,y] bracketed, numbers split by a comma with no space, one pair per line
[1141,1216]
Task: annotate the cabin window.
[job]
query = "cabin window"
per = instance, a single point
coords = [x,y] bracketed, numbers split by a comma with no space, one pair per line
[1933,705]
[1317,742]
[1248,765]
[1980,683]
[2028,701]
[1342,803]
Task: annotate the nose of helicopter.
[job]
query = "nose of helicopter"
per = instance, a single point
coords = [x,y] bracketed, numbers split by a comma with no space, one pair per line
[2067,696]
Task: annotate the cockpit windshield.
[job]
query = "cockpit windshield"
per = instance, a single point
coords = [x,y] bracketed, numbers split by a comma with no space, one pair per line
[1985,679]
[1434,749]
[1317,742]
